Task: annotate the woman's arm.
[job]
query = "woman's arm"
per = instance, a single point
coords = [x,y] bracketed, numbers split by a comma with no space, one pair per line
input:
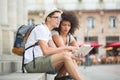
[74,43]
[51,43]
[57,40]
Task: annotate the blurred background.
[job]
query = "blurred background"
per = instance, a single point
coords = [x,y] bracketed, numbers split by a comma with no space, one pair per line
[99,26]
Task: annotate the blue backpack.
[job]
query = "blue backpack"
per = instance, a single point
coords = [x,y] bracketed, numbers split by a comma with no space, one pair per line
[21,37]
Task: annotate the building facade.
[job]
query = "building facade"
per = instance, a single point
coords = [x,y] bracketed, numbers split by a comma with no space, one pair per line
[100,26]
[99,19]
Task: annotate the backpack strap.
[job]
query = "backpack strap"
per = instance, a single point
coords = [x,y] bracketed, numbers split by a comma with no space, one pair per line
[69,39]
[24,56]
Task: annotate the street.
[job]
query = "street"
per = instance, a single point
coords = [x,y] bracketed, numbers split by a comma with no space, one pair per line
[101,72]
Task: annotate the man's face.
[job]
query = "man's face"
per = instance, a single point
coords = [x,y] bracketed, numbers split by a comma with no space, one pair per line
[55,20]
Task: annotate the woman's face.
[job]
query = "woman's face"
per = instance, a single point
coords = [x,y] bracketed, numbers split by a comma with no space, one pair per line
[65,27]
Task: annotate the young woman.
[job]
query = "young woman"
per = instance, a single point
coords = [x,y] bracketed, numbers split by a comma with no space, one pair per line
[63,35]
[66,29]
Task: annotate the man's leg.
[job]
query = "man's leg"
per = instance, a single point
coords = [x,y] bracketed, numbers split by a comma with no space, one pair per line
[68,63]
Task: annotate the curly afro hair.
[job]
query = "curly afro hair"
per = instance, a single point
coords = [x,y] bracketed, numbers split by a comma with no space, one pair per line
[72,18]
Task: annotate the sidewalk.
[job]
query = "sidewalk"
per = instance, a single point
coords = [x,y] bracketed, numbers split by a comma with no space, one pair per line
[101,72]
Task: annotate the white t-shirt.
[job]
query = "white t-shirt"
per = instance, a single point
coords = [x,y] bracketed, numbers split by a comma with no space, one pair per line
[70,38]
[40,32]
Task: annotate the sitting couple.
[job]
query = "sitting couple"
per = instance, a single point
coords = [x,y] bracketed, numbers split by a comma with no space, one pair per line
[55,51]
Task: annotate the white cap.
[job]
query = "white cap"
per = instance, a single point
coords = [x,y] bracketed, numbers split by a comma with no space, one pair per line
[47,12]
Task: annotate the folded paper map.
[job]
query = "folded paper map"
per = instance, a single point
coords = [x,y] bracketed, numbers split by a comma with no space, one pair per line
[85,49]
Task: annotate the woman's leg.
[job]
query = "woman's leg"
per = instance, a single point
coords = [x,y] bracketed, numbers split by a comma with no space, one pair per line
[62,71]
[68,63]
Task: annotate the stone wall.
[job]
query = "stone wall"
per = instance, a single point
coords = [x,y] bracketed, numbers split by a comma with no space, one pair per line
[13,13]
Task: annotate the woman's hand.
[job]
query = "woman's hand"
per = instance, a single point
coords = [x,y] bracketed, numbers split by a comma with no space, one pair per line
[71,49]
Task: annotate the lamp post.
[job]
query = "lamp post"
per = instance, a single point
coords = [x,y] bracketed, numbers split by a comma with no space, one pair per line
[87,34]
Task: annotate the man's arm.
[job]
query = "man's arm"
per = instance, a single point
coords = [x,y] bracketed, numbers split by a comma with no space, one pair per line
[47,50]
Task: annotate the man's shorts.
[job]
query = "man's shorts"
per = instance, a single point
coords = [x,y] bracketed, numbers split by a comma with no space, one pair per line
[42,64]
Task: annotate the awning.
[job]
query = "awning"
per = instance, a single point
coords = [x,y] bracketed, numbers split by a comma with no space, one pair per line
[92,44]
[114,44]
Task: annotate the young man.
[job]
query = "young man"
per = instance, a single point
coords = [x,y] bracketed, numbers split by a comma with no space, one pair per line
[47,56]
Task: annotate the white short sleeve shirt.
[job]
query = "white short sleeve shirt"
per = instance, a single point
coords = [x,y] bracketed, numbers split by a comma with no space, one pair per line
[40,32]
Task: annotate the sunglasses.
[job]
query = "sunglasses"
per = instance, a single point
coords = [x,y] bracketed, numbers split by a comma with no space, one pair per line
[57,17]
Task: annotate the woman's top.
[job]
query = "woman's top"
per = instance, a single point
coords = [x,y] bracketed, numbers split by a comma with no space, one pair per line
[70,38]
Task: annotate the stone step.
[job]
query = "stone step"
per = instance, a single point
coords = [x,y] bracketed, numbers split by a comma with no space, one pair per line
[27,76]
[9,67]
[23,76]
[9,64]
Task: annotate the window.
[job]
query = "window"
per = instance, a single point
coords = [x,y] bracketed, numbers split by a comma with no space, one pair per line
[92,39]
[110,39]
[112,21]
[91,22]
